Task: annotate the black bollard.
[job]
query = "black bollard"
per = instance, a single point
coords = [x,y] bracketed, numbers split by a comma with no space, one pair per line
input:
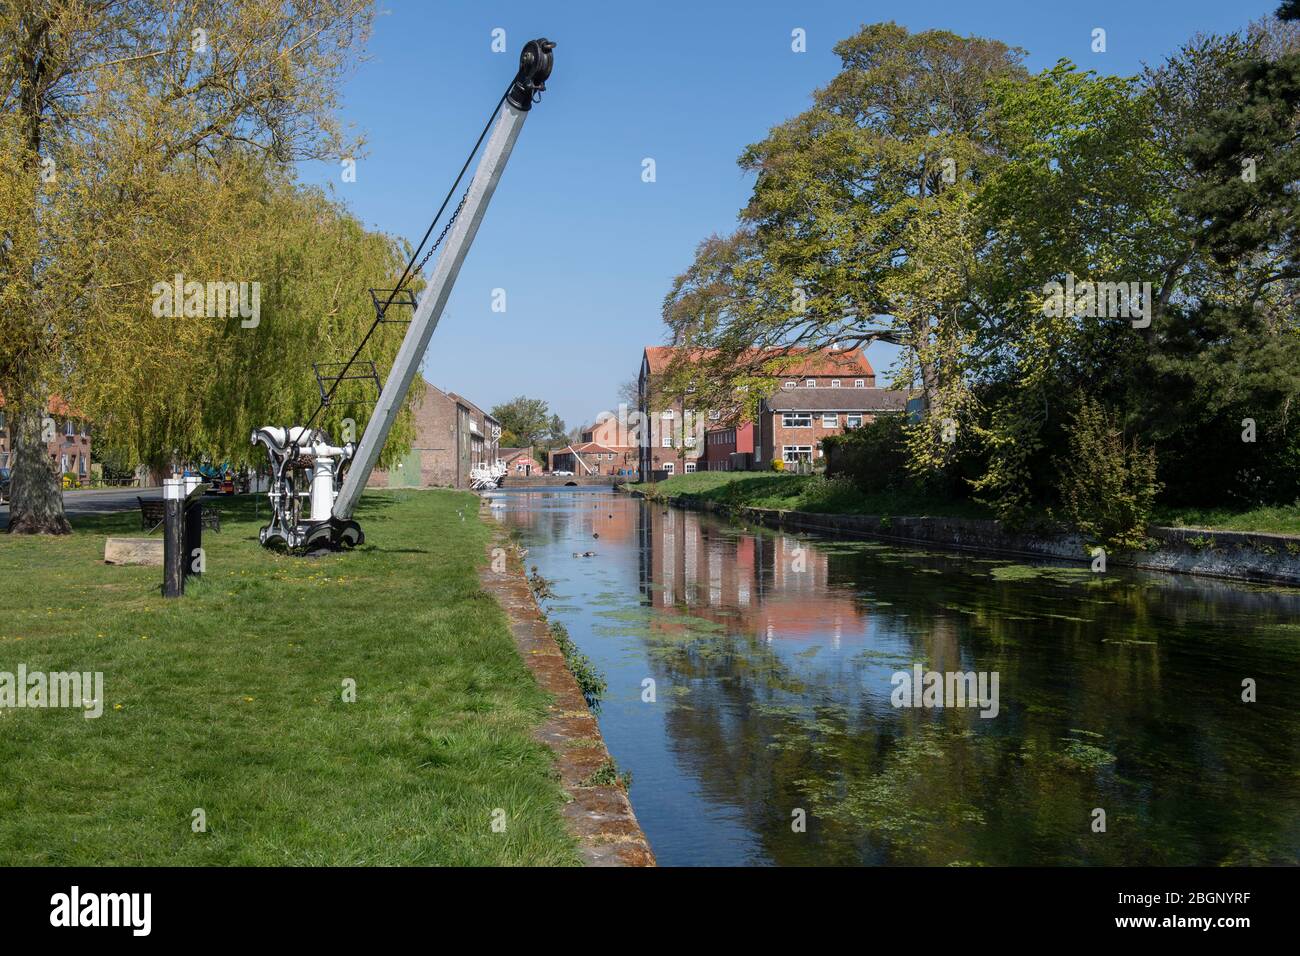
[174,537]
[193,537]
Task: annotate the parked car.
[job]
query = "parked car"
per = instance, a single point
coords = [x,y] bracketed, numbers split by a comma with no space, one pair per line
[6,476]
[562,474]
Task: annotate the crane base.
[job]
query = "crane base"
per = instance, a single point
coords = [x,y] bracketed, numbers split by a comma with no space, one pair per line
[333,534]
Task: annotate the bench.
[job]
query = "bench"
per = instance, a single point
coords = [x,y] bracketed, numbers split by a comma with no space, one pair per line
[154,512]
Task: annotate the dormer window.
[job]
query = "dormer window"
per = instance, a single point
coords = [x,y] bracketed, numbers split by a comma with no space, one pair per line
[835,383]
[859,383]
[810,383]
[788,385]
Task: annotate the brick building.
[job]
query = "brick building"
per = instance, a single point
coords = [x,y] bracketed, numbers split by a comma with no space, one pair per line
[730,448]
[69,449]
[674,430]
[792,422]
[593,458]
[518,461]
[452,435]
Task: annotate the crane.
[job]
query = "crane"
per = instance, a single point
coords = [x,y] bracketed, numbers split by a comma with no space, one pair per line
[315,483]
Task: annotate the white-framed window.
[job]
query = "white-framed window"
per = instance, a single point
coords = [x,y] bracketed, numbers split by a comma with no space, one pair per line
[852,421]
[810,383]
[835,383]
[789,385]
[830,420]
[69,428]
[670,467]
[794,453]
[796,419]
[668,441]
[715,415]
[689,441]
[63,463]
[859,383]
[690,467]
[667,413]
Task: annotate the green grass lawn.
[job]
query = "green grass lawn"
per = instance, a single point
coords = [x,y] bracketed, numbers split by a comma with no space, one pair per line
[231,700]
[812,493]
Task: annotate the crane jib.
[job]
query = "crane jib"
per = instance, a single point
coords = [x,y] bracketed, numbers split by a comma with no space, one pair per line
[310,509]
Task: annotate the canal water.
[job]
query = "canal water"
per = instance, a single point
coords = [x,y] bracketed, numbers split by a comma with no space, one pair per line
[772,735]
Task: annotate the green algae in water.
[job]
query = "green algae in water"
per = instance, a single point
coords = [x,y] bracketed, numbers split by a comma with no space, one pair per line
[1085,756]
[1035,572]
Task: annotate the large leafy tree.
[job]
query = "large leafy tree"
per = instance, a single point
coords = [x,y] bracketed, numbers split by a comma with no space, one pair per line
[527,422]
[110,110]
[860,226]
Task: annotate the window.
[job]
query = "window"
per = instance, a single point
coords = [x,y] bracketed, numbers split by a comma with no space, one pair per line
[714,416]
[810,383]
[830,420]
[668,441]
[69,428]
[859,383]
[797,419]
[690,467]
[852,421]
[669,467]
[795,453]
[788,385]
[835,383]
[668,413]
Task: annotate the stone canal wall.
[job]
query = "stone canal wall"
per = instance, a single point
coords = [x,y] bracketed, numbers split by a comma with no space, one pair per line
[1234,555]
[599,816]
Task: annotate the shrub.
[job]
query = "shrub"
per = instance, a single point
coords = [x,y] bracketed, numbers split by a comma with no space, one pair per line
[1107,483]
[590,681]
[778,464]
[874,457]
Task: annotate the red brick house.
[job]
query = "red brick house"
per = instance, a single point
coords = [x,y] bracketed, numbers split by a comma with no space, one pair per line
[592,458]
[519,461]
[69,449]
[612,436]
[673,430]
[792,422]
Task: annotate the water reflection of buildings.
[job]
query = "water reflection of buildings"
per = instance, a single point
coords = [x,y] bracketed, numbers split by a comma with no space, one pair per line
[776,586]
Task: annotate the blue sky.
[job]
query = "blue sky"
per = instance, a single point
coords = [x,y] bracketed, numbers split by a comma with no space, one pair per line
[584,249]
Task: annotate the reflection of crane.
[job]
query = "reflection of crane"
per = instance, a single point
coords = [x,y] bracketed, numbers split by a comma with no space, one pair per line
[306,467]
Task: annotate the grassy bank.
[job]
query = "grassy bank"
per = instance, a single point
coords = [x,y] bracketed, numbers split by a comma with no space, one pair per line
[231,700]
[1280,519]
[816,494]
[813,493]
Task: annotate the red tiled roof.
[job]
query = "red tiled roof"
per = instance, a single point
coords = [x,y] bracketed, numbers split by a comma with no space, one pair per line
[848,362]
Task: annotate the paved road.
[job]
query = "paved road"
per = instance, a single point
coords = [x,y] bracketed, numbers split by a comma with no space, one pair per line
[98,502]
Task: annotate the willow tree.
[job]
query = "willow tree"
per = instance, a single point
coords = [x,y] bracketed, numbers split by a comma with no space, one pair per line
[107,106]
[859,228]
[196,386]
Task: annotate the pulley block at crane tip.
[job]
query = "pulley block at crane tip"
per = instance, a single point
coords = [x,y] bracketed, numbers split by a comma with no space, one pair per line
[535,62]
